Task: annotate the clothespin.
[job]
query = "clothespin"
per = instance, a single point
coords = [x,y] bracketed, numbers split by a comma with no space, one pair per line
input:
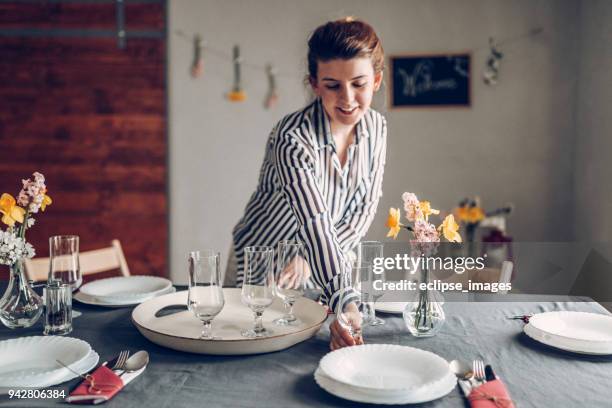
[491,71]
[197,66]
[237,94]
[272,97]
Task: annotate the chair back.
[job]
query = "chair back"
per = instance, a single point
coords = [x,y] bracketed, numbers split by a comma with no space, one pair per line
[90,262]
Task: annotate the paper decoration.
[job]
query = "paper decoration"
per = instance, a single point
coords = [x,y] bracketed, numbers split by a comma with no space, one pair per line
[491,71]
[272,97]
[197,66]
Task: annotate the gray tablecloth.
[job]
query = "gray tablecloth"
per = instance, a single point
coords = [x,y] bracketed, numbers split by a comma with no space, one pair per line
[536,375]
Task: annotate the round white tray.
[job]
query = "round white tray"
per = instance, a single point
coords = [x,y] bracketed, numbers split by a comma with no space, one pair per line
[181,330]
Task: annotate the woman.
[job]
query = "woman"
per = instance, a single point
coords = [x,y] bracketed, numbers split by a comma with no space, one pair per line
[321,178]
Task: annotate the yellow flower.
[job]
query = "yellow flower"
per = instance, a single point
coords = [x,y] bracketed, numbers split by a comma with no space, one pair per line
[46,201]
[427,210]
[11,213]
[474,215]
[449,228]
[393,222]
[237,96]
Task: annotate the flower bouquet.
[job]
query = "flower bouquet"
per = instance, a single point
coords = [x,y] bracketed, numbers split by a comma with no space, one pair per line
[20,306]
[423,317]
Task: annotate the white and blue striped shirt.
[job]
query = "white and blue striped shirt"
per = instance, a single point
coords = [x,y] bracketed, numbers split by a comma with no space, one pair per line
[304,193]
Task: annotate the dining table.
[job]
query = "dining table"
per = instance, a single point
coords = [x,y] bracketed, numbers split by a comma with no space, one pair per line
[535,375]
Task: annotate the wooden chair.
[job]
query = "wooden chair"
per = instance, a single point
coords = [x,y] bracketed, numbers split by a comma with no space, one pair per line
[90,262]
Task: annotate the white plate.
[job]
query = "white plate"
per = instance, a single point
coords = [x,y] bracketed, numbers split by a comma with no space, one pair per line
[81,367]
[181,331]
[384,397]
[32,360]
[386,367]
[391,307]
[88,300]
[579,332]
[126,288]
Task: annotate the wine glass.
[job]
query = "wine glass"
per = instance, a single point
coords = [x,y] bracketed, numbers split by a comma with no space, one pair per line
[205,295]
[64,268]
[258,286]
[367,252]
[350,306]
[290,279]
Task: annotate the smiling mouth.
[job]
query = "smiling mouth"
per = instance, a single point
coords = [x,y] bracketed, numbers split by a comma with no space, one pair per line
[347,111]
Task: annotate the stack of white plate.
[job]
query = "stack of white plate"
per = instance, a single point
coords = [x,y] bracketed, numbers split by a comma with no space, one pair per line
[33,361]
[385,374]
[579,332]
[123,291]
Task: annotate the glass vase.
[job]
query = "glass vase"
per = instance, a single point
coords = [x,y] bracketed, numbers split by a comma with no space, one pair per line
[424,316]
[20,306]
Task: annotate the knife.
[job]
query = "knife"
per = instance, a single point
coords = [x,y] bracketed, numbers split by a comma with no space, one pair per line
[489,373]
[466,387]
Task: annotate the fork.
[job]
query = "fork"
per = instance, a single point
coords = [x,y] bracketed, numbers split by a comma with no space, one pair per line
[478,367]
[121,359]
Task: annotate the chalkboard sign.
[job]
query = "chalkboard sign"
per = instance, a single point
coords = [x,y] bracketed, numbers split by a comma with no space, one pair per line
[430,80]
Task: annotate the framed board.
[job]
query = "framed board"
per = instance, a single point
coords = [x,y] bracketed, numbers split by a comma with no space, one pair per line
[435,80]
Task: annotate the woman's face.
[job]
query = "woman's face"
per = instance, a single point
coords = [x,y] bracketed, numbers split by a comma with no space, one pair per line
[346,88]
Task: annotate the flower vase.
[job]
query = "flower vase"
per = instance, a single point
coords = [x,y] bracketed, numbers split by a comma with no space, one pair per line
[424,317]
[20,306]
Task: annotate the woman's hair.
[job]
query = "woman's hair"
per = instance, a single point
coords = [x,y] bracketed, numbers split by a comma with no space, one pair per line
[344,39]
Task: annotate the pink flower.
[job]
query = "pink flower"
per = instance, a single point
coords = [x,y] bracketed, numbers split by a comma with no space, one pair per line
[426,237]
[412,207]
[33,192]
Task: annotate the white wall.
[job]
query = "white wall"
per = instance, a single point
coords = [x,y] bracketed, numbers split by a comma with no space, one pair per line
[514,144]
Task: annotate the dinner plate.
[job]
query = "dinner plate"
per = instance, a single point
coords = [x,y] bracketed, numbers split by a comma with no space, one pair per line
[124,289]
[181,330]
[28,361]
[390,307]
[578,332]
[410,395]
[82,367]
[387,368]
[89,300]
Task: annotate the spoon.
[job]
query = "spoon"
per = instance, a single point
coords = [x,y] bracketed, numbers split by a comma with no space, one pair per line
[137,361]
[463,372]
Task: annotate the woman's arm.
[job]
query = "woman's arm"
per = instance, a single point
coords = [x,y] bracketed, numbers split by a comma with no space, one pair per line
[295,163]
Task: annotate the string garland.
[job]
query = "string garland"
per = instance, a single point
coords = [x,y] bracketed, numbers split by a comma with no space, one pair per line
[237,94]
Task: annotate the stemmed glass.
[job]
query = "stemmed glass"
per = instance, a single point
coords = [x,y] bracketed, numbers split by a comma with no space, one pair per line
[350,306]
[64,265]
[258,286]
[205,296]
[290,278]
[367,252]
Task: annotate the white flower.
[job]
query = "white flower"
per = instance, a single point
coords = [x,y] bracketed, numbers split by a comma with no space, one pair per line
[12,248]
[30,222]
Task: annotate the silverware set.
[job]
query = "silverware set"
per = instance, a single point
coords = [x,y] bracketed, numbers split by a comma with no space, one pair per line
[470,377]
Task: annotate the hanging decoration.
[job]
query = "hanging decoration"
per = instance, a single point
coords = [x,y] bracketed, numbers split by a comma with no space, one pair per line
[272,97]
[197,66]
[491,71]
[237,94]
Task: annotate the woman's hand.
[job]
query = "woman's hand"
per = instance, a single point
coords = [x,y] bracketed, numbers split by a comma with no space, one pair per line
[294,274]
[340,336]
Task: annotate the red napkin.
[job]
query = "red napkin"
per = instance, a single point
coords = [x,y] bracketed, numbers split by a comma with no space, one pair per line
[98,387]
[492,394]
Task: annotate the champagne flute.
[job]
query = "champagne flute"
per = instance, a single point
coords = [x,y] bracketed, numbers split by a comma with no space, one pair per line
[205,296]
[367,252]
[290,279]
[350,306]
[64,268]
[258,286]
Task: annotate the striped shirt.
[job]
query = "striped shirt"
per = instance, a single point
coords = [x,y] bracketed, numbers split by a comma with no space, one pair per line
[304,193]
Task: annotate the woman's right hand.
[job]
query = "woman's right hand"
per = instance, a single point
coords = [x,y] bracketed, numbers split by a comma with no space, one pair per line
[340,335]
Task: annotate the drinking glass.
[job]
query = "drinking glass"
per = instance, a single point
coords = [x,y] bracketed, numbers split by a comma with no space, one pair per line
[290,280]
[367,252]
[64,262]
[258,286]
[350,306]
[58,308]
[205,295]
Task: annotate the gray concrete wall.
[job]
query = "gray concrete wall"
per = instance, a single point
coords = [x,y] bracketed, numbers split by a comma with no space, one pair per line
[514,144]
